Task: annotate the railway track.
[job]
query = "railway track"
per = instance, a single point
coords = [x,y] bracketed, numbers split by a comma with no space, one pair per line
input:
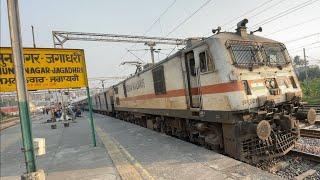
[309,156]
[9,122]
[314,133]
[313,171]
[13,121]
[314,106]
[294,165]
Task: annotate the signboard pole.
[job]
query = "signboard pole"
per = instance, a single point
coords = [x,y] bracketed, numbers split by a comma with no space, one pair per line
[91,118]
[18,58]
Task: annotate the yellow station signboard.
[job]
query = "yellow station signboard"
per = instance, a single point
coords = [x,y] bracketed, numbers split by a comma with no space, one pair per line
[45,68]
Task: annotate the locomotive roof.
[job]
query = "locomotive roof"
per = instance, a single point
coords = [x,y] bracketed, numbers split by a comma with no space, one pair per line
[235,36]
[221,35]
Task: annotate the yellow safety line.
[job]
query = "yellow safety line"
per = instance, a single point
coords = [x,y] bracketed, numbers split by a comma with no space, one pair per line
[127,167]
[137,165]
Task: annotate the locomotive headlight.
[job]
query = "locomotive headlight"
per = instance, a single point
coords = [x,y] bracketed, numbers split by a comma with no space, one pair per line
[263,130]
[311,116]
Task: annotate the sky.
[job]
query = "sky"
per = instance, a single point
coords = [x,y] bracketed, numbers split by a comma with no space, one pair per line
[296,27]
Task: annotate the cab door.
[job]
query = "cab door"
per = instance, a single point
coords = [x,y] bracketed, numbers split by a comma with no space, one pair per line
[193,79]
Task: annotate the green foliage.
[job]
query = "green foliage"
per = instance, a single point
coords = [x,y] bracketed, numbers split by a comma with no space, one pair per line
[313,72]
[311,91]
[298,61]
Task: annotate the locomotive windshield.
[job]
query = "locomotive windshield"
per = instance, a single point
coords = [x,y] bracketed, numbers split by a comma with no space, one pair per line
[245,55]
[249,54]
[274,54]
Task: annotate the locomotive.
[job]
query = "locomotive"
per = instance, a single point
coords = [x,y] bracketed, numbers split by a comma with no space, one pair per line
[233,91]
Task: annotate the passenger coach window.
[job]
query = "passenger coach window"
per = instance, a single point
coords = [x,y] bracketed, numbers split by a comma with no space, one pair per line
[159,80]
[206,64]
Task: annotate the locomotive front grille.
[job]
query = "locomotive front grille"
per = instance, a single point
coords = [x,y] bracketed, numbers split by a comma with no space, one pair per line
[254,149]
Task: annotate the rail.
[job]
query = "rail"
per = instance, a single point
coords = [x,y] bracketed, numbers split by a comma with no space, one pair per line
[314,106]
[309,156]
[314,133]
[11,122]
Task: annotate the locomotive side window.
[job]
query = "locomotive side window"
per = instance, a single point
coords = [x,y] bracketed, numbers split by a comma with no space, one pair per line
[96,99]
[124,89]
[117,101]
[191,63]
[159,80]
[206,64]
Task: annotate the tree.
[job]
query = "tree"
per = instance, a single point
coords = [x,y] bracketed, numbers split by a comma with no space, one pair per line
[298,61]
[313,72]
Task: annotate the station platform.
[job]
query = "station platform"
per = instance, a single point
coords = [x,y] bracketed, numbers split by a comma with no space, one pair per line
[124,151]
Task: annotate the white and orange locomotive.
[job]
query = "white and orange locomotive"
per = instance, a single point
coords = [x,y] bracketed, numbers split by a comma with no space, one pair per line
[236,92]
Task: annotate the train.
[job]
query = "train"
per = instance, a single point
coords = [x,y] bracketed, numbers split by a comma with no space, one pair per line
[233,92]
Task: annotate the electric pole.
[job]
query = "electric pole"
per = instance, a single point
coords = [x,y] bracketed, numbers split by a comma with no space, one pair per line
[102,84]
[305,64]
[24,113]
[306,70]
[34,42]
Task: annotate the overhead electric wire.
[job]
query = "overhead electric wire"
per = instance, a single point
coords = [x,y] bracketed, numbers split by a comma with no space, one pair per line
[295,25]
[135,56]
[190,16]
[284,13]
[315,47]
[305,45]
[303,37]
[151,26]
[266,9]
[171,52]
[261,11]
[184,21]
[248,12]
[158,19]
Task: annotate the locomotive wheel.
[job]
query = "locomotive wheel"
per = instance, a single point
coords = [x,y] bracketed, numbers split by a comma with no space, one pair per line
[311,116]
[263,130]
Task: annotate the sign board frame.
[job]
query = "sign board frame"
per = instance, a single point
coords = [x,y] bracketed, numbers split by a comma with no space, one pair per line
[45,68]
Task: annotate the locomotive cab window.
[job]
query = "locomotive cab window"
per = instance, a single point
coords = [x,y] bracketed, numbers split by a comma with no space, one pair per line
[244,55]
[159,80]
[206,64]
[274,55]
